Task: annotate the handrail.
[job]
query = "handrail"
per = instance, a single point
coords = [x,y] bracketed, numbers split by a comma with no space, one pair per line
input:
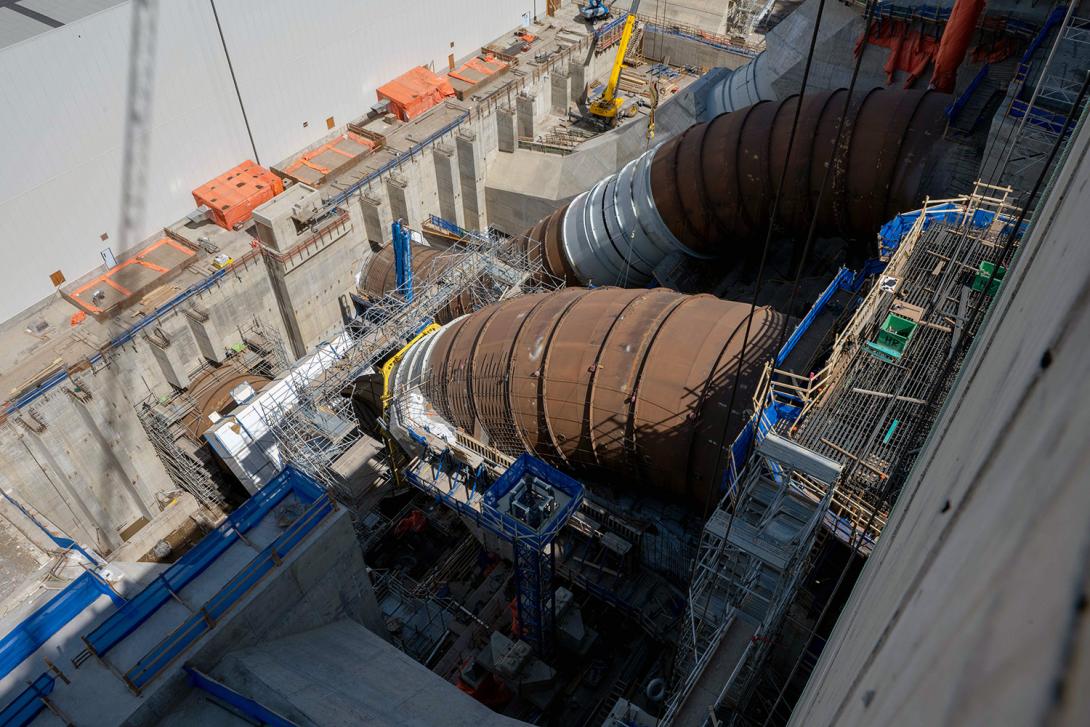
[25,707]
[138,609]
[397,161]
[180,639]
[960,102]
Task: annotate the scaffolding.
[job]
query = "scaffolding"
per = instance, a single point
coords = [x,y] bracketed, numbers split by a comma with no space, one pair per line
[896,359]
[175,422]
[752,553]
[1040,119]
[321,426]
[418,621]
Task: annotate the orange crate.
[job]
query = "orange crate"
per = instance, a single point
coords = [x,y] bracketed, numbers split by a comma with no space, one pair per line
[233,195]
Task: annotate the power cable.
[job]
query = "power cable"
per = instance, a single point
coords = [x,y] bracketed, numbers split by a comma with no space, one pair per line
[709,499]
[812,230]
[767,245]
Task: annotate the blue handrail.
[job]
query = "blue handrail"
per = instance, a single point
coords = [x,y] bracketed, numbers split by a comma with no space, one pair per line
[130,616]
[24,708]
[249,707]
[179,640]
[398,161]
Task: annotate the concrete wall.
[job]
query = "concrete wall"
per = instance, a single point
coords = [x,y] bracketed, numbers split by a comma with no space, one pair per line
[79,454]
[972,609]
[670,47]
[343,674]
[325,581]
[296,65]
[301,63]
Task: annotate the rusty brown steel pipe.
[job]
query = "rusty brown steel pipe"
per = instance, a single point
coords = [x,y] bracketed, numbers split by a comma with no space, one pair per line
[708,192]
[632,385]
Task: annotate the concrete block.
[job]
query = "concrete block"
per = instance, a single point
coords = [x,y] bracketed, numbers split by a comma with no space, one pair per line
[205,333]
[401,200]
[376,217]
[577,81]
[170,357]
[448,183]
[279,221]
[316,282]
[524,115]
[471,170]
[561,91]
[506,130]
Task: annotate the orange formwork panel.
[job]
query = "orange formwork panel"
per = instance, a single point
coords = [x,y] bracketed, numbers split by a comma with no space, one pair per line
[476,70]
[317,165]
[413,93]
[233,195]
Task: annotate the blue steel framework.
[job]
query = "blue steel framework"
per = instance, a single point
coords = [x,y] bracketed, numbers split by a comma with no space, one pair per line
[472,494]
[403,264]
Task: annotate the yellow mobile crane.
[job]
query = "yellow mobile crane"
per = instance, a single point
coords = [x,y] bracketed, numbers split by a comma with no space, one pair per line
[606,107]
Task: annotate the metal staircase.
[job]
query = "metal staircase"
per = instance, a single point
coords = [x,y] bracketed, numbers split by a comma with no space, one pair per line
[1052,94]
[749,561]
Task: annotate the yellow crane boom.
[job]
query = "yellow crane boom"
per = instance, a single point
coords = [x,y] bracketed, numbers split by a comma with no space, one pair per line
[609,103]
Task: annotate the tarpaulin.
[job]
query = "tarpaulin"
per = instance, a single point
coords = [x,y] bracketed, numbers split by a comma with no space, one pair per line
[477,69]
[895,230]
[909,50]
[413,93]
[955,42]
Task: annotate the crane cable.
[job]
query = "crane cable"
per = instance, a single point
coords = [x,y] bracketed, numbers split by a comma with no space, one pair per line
[767,246]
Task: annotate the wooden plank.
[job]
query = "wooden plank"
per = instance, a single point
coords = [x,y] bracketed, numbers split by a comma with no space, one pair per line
[852,457]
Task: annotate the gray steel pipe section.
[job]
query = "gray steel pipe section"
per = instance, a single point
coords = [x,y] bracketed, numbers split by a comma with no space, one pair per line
[745,86]
[614,234]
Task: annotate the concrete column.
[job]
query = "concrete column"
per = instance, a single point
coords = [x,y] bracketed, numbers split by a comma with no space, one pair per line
[402,201]
[524,112]
[577,81]
[471,177]
[448,183]
[99,526]
[206,334]
[561,91]
[507,137]
[376,217]
[171,358]
[103,418]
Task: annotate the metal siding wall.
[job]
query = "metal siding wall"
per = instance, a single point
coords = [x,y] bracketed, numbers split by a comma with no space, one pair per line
[62,105]
[304,62]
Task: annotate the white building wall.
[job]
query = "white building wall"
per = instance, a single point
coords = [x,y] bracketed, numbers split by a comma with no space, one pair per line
[63,99]
[62,110]
[303,62]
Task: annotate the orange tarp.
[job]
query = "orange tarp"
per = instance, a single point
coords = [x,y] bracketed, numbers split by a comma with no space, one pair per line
[413,93]
[955,41]
[233,195]
[909,50]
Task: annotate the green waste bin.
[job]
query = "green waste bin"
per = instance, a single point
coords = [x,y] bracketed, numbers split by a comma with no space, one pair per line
[893,336]
[982,275]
